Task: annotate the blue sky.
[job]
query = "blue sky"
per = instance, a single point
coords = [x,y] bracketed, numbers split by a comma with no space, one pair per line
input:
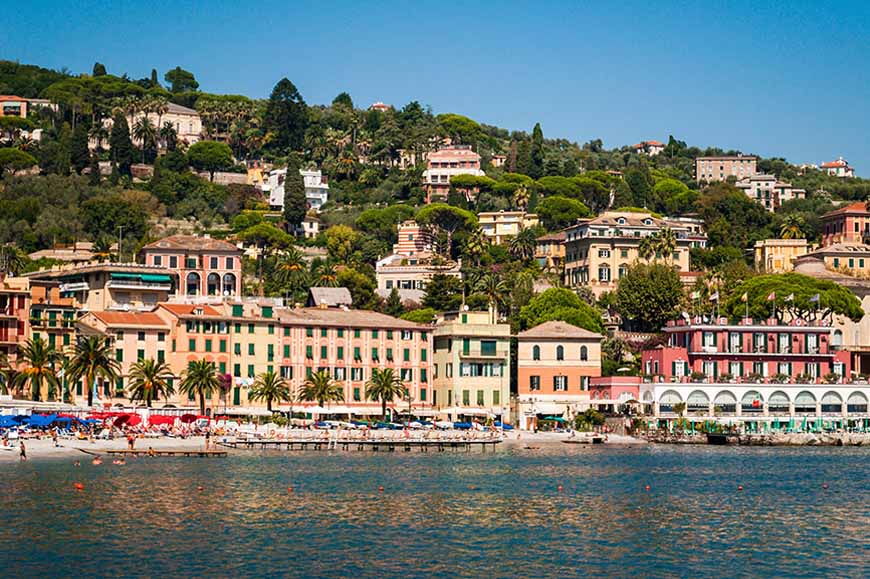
[786,78]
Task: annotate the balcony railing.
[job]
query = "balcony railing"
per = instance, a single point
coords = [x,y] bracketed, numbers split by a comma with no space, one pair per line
[136,284]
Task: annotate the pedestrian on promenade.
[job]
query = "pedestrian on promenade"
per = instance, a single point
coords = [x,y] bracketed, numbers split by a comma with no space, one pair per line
[22,451]
[54,436]
[207,439]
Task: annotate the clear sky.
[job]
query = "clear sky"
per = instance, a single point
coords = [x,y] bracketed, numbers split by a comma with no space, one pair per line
[778,78]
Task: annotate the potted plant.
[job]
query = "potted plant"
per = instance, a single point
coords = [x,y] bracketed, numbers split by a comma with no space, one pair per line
[698,376]
[726,377]
[831,378]
[755,377]
[779,378]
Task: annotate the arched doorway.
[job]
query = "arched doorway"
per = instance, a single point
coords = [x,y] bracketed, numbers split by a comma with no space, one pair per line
[212,284]
[192,284]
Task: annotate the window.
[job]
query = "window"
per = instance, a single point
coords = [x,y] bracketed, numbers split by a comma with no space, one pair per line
[270,352]
[560,383]
[287,331]
[271,329]
[422,390]
[536,352]
[406,375]
[158,260]
[323,355]
[356,394]
[237,370]
[237,349]
[191,344]
[161,336]
[309,332]
[389,354]
[190,263]
[534,383]
[560,353]
[213,263]
[487,347]
[423,376]
[140,336]
[173,261]
[309,352]
[357,374]
[407,335]
[250,349]
[250,328]
[466,397]
[356,354]
[251,372]
[623,253]
[374,334]
[466,346]
[322,332]
[286,351]
[375,355]
[406,355]
[604,273]
[237,328]
[340,373]
[339,353]
[480,397]
[341,332]
[229,263]
[423,355]
[119,355]
[356,333]
[389,334]
[207,345]
[584,353]
[222,346]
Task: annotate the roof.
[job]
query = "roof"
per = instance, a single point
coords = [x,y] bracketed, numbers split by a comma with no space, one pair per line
[139,319]
[729,158]
[344,318]
[643,144]
[631,219]
[192,242]
[329,296]
[856,207]
[9,97]
[179,110]
[188,309]
[843,249]
[406,295]
[558,236]
[559,330]
[835,164]
[90,267]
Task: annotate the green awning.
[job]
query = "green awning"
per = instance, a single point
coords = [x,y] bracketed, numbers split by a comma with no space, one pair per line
[114,275]
[156,277]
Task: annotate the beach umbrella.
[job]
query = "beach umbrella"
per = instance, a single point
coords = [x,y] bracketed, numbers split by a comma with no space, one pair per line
[188,418]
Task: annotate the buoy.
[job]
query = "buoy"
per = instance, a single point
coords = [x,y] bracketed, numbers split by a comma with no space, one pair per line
[471,487]
[380,489]
[199,488]
[646,488]
[79,486]
[559,488]
[825,486]
[739,487]
[289,489]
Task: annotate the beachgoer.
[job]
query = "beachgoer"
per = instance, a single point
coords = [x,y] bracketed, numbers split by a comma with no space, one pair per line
[207,438]
[77,463]
[151,451]
[54,436]
[131,441]
[22,451]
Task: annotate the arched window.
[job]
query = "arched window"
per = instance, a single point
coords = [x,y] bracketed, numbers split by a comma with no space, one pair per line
[212,284]
[837,340]
[584,353]
[229,284]
[560,353]
[192,288]
[536,353]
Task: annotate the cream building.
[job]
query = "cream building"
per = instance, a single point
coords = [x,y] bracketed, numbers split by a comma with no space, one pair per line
[768,191]
[721,168]
[412,263]
[599,251]
[778,255]
[472,366]
[498,226]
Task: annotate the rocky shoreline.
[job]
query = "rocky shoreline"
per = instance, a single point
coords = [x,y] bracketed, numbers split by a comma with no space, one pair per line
[779,439]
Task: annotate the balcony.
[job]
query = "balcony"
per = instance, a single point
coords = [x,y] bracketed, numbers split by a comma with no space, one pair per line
[78,286]
[138,284]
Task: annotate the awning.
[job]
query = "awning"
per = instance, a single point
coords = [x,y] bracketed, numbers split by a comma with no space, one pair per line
[155,419]
[155,277]
[241,411]
[114,275]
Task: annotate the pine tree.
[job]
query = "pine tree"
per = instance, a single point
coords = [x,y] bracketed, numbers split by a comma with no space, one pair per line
[94,166]
[99,69]
[121,145]
[536,165]
[286,116]
[393,306]
[295,204]
[79,153]
[154,82]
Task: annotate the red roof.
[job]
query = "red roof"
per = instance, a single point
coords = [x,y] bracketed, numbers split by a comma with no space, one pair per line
[835,164]
[856,207]
[129,318]
[9,97]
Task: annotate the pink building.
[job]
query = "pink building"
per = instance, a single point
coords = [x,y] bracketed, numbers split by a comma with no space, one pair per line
[413,239]
[849,224]
[750,351]
[203,266]
[14,310]
[614,390]
[446,163]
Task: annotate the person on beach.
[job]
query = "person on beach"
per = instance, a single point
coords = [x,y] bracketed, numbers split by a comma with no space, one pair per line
[207,439]
[131,441]
[22,451]
[151,451]
[54,437]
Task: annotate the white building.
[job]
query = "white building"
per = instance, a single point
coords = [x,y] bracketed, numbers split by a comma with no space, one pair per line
[767,190]
[838,168]
[316,188]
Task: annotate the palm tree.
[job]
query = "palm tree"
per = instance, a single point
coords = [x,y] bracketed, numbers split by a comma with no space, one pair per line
[11,259]
[149,380]
[9,374]
[646,249]
[200,379]
[475,244]
[145,132]
[168,136]
[792,227]
[270,387]
[321,388]
[522,246]
[495,289]
[39,359]
[290,265]
[385,386]
[521,197]
[667,242]
[93,358]
[325,275]
[102,249]
[99,133]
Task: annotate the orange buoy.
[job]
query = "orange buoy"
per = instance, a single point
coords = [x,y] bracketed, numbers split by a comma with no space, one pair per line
[79,486]
[471,487]
[380,489]
[289,489]
[739,487]
[646,488]
[199,488]
[825,486]
[559,488]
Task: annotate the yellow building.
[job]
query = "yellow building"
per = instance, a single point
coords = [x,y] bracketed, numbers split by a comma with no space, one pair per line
[472,364]
[498,226]
[849,258]
[599,251]
[778,255]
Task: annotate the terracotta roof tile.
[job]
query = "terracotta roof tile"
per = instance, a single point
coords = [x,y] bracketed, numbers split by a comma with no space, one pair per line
[145,319]
[558,330]
[192,242]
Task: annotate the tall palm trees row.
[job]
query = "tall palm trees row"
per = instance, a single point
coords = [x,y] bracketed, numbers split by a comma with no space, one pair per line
[150,379]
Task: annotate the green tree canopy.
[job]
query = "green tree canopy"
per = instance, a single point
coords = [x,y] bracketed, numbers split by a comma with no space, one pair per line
[448,219]
[286,117]
[210,156]
[649,295]
[833,299]
[420,316]
[560,304]
[12,160]
[180,80]
[558,212]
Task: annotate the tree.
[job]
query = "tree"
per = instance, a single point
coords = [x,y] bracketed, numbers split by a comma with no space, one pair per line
[286,117]
[792,227]
[120,145]
[343,100]
[393,306]
[340,242]
[180,80]
[200,379]
[153,81]
[361,287]
[385,386]
[522,245]
[99,69]
[792,294]
[649,295]
[422,316]
[149,380]
[443,293]
[559,212]
[496,291]
[536,166]
[295,202]
[560,304]
[93,359]
[661,244]
[15,160]
[448,219]
[321,388]
[39,368]
[270,387]
[210,156]
[80,155]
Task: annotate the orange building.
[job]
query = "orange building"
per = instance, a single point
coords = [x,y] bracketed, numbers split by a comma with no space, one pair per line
[555,363]
[13,106]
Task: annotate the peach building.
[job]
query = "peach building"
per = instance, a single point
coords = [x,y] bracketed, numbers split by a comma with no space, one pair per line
[14,314]
[135,336]
[202,266]
[446,163]
[721,168]
[350,344]
[848,224]
[555,363]
[52,316]
[550,250]
[13,106]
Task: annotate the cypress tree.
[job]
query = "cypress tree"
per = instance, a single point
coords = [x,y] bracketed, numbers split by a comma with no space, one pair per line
[295,204]
[536,165]
[99,69]
[94,165]
[393,306]
[286,116]
[154,82]
[121,145]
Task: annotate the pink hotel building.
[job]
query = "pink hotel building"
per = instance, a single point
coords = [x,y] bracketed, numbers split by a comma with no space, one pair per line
[203,266]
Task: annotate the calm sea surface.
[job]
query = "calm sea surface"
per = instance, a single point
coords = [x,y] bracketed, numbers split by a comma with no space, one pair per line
[447,515]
